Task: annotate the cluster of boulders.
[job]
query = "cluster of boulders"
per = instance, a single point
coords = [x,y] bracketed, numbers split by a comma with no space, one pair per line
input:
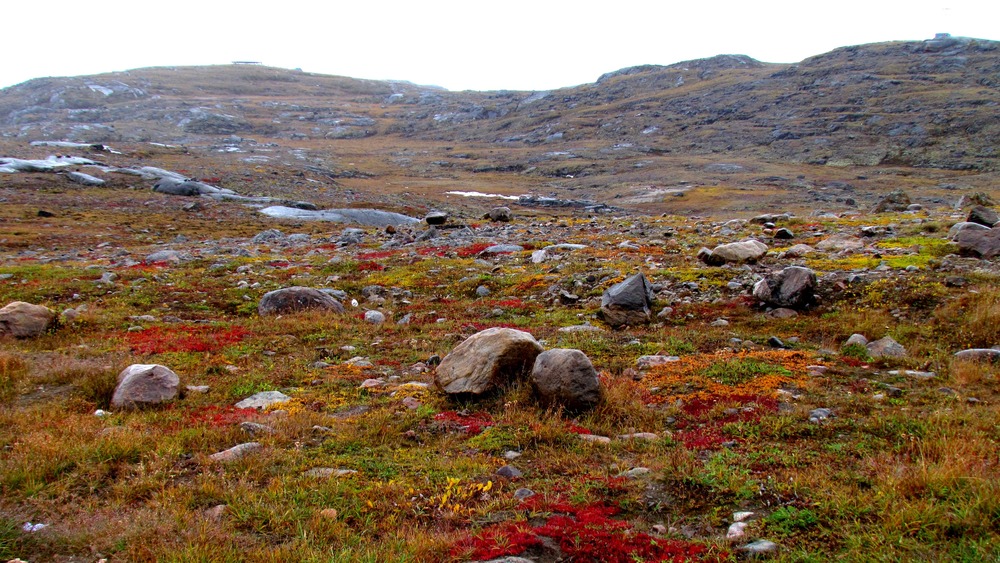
[496,357]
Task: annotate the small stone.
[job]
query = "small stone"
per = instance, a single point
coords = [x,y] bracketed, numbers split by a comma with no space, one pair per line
[742,516]
[595,439]
[374,317]
[374,382]
[255,428]
[510,472]
[817,415]
[737,530]
[635,472]
[236,452]
[201,389]
[511,455]
[760,547]
[719,323]
[263,400]
[482,291]
[775,342]
[523,493]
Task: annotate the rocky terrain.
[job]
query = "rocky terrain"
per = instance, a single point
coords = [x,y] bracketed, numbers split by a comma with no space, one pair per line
[710,311]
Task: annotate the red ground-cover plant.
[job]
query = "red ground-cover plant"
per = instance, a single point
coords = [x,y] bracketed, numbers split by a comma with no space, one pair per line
[472,249]
[216,416]
[699,432]
[576,429]
[585,533]
[184,338]
[439,251]
[370,267]
[471,423]
[377,255]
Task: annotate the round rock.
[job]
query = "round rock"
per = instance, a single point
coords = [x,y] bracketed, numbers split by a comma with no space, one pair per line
[295,299]
[487,360]
[566,377]
[145,384]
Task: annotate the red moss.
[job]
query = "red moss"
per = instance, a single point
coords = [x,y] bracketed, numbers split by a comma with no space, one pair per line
[472,424]
[473,249]
[378,255]
[216,416]
[585,534]
[184,338]
[370,267]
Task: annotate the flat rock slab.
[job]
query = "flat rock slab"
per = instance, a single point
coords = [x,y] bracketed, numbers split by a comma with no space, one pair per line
[263,400]
[236,452]
[369,217]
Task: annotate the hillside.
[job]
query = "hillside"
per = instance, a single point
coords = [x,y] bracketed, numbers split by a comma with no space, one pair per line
[715,311]
[907,103]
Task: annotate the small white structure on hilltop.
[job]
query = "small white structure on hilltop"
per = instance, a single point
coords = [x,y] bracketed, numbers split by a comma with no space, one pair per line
[247,63]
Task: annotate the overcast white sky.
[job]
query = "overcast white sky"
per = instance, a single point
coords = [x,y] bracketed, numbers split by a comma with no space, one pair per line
[457,44]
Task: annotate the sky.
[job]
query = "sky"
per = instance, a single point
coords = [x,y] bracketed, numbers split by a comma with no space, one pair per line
[458,45]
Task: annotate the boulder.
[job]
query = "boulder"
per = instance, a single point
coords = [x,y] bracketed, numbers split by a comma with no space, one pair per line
[566,377]
[263,400]
[628,302]
[500,215]
[294,299]
[487,360]
[894,201]
[964,225]
[436,218]
[979,243]
[799,250]
[886,348]
[983,215]
[979,355]
[84,179]
[140,385]
[793,288]
[24,320]
[734,253]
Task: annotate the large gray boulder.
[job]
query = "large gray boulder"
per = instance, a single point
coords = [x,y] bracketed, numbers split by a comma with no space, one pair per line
[794,288]
[295,299]
[144,384]
[734,253]
[983,215]
[979,243]
[964,225]
[566,377]
[628,302]
[24,320]
[487,360]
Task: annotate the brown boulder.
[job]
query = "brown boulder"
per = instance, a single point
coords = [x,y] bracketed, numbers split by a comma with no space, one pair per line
[24,320]
[487,360]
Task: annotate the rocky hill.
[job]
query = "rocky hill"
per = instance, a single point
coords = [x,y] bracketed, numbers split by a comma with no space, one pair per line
[926,104]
